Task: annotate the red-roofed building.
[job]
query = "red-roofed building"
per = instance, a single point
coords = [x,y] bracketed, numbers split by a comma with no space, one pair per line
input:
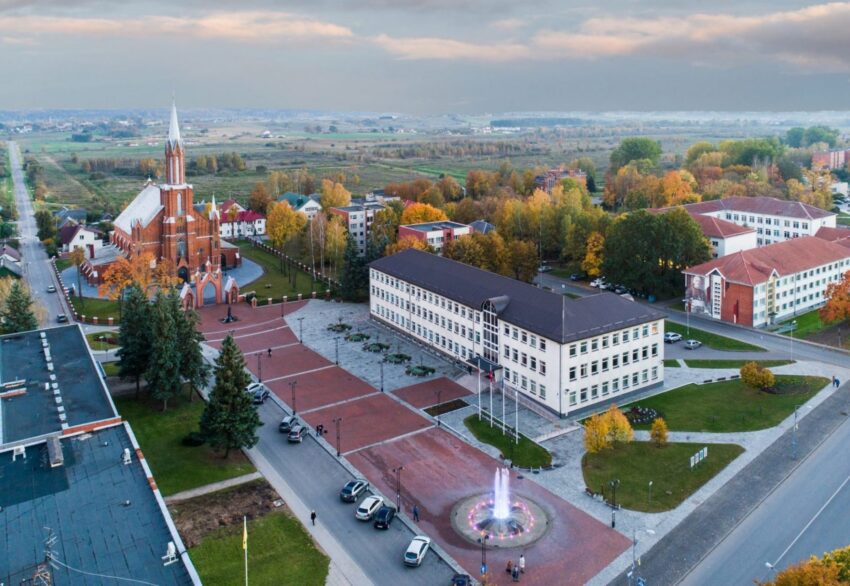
[243,224]
[763,285]
[230,203]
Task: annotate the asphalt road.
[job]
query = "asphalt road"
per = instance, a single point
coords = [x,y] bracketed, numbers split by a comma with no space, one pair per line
[806,515]
[317,477]
[37,270]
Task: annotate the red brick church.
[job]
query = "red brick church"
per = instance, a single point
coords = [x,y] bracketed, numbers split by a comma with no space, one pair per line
[162,220]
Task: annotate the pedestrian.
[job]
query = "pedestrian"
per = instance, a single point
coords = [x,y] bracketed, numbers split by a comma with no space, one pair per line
[522,563]
[510,567]
[415,514]
[833,380]
[270,352]
[313,517]
[515,573]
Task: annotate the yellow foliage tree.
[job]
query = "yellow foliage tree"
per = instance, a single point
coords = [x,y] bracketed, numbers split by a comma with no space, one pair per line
[757,376]
[334,195]
[282,223]
[418,213]
[658,432]
[831,570]
[141,270]
[619,428]
[596,434]
[404,243]
[592,263]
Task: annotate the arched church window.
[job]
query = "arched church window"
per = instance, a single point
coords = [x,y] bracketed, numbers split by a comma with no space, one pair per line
[179,204]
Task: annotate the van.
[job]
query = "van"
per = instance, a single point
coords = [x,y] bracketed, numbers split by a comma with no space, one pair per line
[296,434]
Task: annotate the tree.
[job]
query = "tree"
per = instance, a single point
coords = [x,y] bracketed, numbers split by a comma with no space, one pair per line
[77,258]
[592,263]
[633,149]
[404,243]
[596,434]
[17,313]
[134,336]
[523,260]
[419,213]
[334,195]
[46,224]
[282,223]
[354,281]
[230,420]
[163,373]
[259,199]
[278,182]
[384,230]
[830,570]
[193,368]
[658,432]
[837,306]
[756,376]
[619,428]
[466,249]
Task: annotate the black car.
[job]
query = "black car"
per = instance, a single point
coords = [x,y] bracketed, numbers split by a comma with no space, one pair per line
[287,423]
[352,490]
[384,517]
[578,276]
[461,580]
[62,318]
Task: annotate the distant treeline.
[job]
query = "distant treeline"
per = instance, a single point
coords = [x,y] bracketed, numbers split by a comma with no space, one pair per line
[535,122]
[455,149]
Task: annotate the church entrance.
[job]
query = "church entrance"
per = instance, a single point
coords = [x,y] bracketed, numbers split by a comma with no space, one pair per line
[223,262]
[183,273]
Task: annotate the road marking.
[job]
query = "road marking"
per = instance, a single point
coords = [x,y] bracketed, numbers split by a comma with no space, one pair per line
[271,380]
[388,440]
[246,326]
[253,334]
[812,520]
[343,402]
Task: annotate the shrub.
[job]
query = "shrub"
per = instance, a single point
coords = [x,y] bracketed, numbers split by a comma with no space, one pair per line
[619,428]
[193,439]
[658,433]
[757,376]
[596,434]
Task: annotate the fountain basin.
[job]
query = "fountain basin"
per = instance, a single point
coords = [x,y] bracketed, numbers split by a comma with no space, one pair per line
[525,522]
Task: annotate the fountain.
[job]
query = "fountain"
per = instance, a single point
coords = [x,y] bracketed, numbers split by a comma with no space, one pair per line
[509,522]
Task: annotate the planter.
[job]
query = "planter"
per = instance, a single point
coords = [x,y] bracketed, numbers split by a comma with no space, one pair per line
[339,328]
[419,370]
[398,358]
[376,347]
[642,415]
[357,337]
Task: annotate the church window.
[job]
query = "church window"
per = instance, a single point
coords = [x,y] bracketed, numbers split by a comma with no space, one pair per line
[179,204]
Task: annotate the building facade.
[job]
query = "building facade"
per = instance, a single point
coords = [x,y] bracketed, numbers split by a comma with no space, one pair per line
[309,205]
[358,221]
[244,224]
[835,159]
[565,355]
[436,234]
[769,284]
[75,236]
[726,237]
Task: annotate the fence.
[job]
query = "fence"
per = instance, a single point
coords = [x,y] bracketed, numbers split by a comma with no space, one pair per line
[317,275]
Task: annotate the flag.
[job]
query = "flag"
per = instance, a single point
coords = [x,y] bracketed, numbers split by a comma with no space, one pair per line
[245,533]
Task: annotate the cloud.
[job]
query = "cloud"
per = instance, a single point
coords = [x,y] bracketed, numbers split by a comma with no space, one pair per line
[249,26]
[507,24]
[422,48]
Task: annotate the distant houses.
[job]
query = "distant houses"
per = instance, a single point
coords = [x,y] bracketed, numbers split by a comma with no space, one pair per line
[435,234]
[309,205]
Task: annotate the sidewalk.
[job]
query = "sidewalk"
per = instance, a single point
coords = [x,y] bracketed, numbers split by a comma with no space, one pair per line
[212,487]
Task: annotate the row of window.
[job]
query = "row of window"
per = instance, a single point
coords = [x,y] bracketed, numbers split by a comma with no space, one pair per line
[768,221]
[530,362]
[525,383]
[594,367]
[524,337]
[615,386]
[614,339]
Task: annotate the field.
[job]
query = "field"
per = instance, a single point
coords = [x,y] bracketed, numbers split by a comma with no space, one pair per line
[730,406]
[274,283]
[637,464]
[100,308]
[711,340]
[525,454]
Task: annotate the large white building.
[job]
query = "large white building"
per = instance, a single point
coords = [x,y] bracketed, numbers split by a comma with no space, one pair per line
[358,221]
[562,353]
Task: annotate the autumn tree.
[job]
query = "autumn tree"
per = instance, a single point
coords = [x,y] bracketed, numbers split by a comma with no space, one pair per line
[278,182]
[334,195]
[259,199]
[756,376]
[658,432]
[384,229]
[832,569]
[634,149]
[140,270]
[404,243]
[283,223]
[837,295]
[596,434]
[77,258]
[523,260]
[619,428]
[419,213]
[592,263]
[466,249]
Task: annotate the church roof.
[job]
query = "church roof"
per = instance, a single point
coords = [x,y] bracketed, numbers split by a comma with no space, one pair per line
[174,128]
[143,208]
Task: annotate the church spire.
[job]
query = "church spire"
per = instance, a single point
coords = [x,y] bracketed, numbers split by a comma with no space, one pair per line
[174,128]
[175,170]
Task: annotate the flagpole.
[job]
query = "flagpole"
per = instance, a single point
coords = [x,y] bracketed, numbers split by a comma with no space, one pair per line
[245,545]
[478,376]
[491,395]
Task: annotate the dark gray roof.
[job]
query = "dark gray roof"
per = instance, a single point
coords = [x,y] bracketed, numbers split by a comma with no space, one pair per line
[482,226]
[545,313]
[84,503]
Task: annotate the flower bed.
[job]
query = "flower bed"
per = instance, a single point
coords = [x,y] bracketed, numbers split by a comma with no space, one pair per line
[339,328]
[419,370]
[376,347]
[357,337]
[642,415]
[398,358]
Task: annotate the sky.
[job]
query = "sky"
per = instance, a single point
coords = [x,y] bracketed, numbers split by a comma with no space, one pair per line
[426,56]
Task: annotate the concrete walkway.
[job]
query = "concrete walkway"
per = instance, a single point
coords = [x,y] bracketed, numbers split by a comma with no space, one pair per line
[212,487]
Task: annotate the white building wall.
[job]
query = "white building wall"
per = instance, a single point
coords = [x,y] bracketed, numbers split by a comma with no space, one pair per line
[563,377]
[772,229]
[733,244]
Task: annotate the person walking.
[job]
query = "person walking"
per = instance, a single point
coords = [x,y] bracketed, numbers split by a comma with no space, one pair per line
[510,568]
[522,563]
[515,573]
[270,352]
[313,516]
[415,514]
[833,381]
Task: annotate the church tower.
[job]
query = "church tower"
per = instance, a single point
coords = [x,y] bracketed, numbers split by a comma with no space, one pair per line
[175,163]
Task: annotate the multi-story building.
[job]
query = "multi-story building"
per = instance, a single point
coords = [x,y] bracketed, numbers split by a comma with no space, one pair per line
[436,234]
[835,159]
[309,205]
[244,224]
[564,354]
[774,220]
[358,220]
[768,284]
[548,180]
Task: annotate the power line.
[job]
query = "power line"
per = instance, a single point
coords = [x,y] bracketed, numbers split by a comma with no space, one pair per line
[55,560]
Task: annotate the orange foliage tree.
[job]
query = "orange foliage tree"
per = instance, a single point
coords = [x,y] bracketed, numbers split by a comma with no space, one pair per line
[141,270]
[418,213]
[404,243]
[837,306]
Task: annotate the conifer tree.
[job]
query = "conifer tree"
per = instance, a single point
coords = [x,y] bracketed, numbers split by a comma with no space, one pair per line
[193,368]
[18,315]
[354,279]
[163,373]
[134,336]
[230,420]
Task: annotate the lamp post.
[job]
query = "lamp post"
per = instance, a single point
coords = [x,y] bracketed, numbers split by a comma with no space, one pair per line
[300,330]
[614,484]
[793,327]
[794,436]
[260,366]
[650,491]
[292,393]
[336,349]
[337,421]
[397,471]
[439,393]
[483,541]
[381,363]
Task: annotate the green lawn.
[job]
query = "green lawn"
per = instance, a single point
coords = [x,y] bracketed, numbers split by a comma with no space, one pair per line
[280,551]
[62,264]
[110,368]
[177,467]
[96,344]
[91,306]
[637,463]
[734,363]
[731,405]
[712,340]
[525,454]
[671,363]
[807,324]
[273,283]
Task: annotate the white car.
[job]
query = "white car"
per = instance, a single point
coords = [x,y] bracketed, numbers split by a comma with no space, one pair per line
[368,508]
[416,551]
[672,337]
[692,344]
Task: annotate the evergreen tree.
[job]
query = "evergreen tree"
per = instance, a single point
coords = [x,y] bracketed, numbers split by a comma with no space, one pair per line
[354,281]
[163,373]
[230,420]
[193,368]
[134,336]
[18,315]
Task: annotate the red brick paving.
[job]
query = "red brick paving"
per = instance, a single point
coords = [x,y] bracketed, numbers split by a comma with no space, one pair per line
[367,421]
[440,470]
[211,314]
[423,395]
[320,388]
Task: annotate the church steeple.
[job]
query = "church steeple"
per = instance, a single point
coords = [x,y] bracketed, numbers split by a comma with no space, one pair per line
[175,166]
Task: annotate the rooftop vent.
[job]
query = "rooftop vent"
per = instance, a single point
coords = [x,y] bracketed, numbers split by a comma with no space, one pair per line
[54,452]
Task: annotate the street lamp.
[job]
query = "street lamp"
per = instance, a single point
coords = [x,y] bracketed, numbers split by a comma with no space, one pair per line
[337,421]
[614,484]
[439,393]
[300,330]
[483,541]
[794,436]
[397,471]
[381,363]
[650,491]
[292,393]
[793,327]
[260,366]
[336,350]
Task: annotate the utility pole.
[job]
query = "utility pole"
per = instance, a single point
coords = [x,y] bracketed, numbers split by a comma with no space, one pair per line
[397,471]
[260,366]
[336,350]
[337,421]
[292,393]
[300,330]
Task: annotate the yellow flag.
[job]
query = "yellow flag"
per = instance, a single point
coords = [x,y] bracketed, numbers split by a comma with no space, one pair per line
[245,533]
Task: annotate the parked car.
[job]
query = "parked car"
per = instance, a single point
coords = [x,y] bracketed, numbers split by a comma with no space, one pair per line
[62,318]
[352,490]
[296,435]
[672,337]
[544,269]
[462,580]
[416,551]
[692,344]
[578,276]
[51,289]
[597,282]
[259,392]
[620,290]
[287,423]
[368,508]
[384,517]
